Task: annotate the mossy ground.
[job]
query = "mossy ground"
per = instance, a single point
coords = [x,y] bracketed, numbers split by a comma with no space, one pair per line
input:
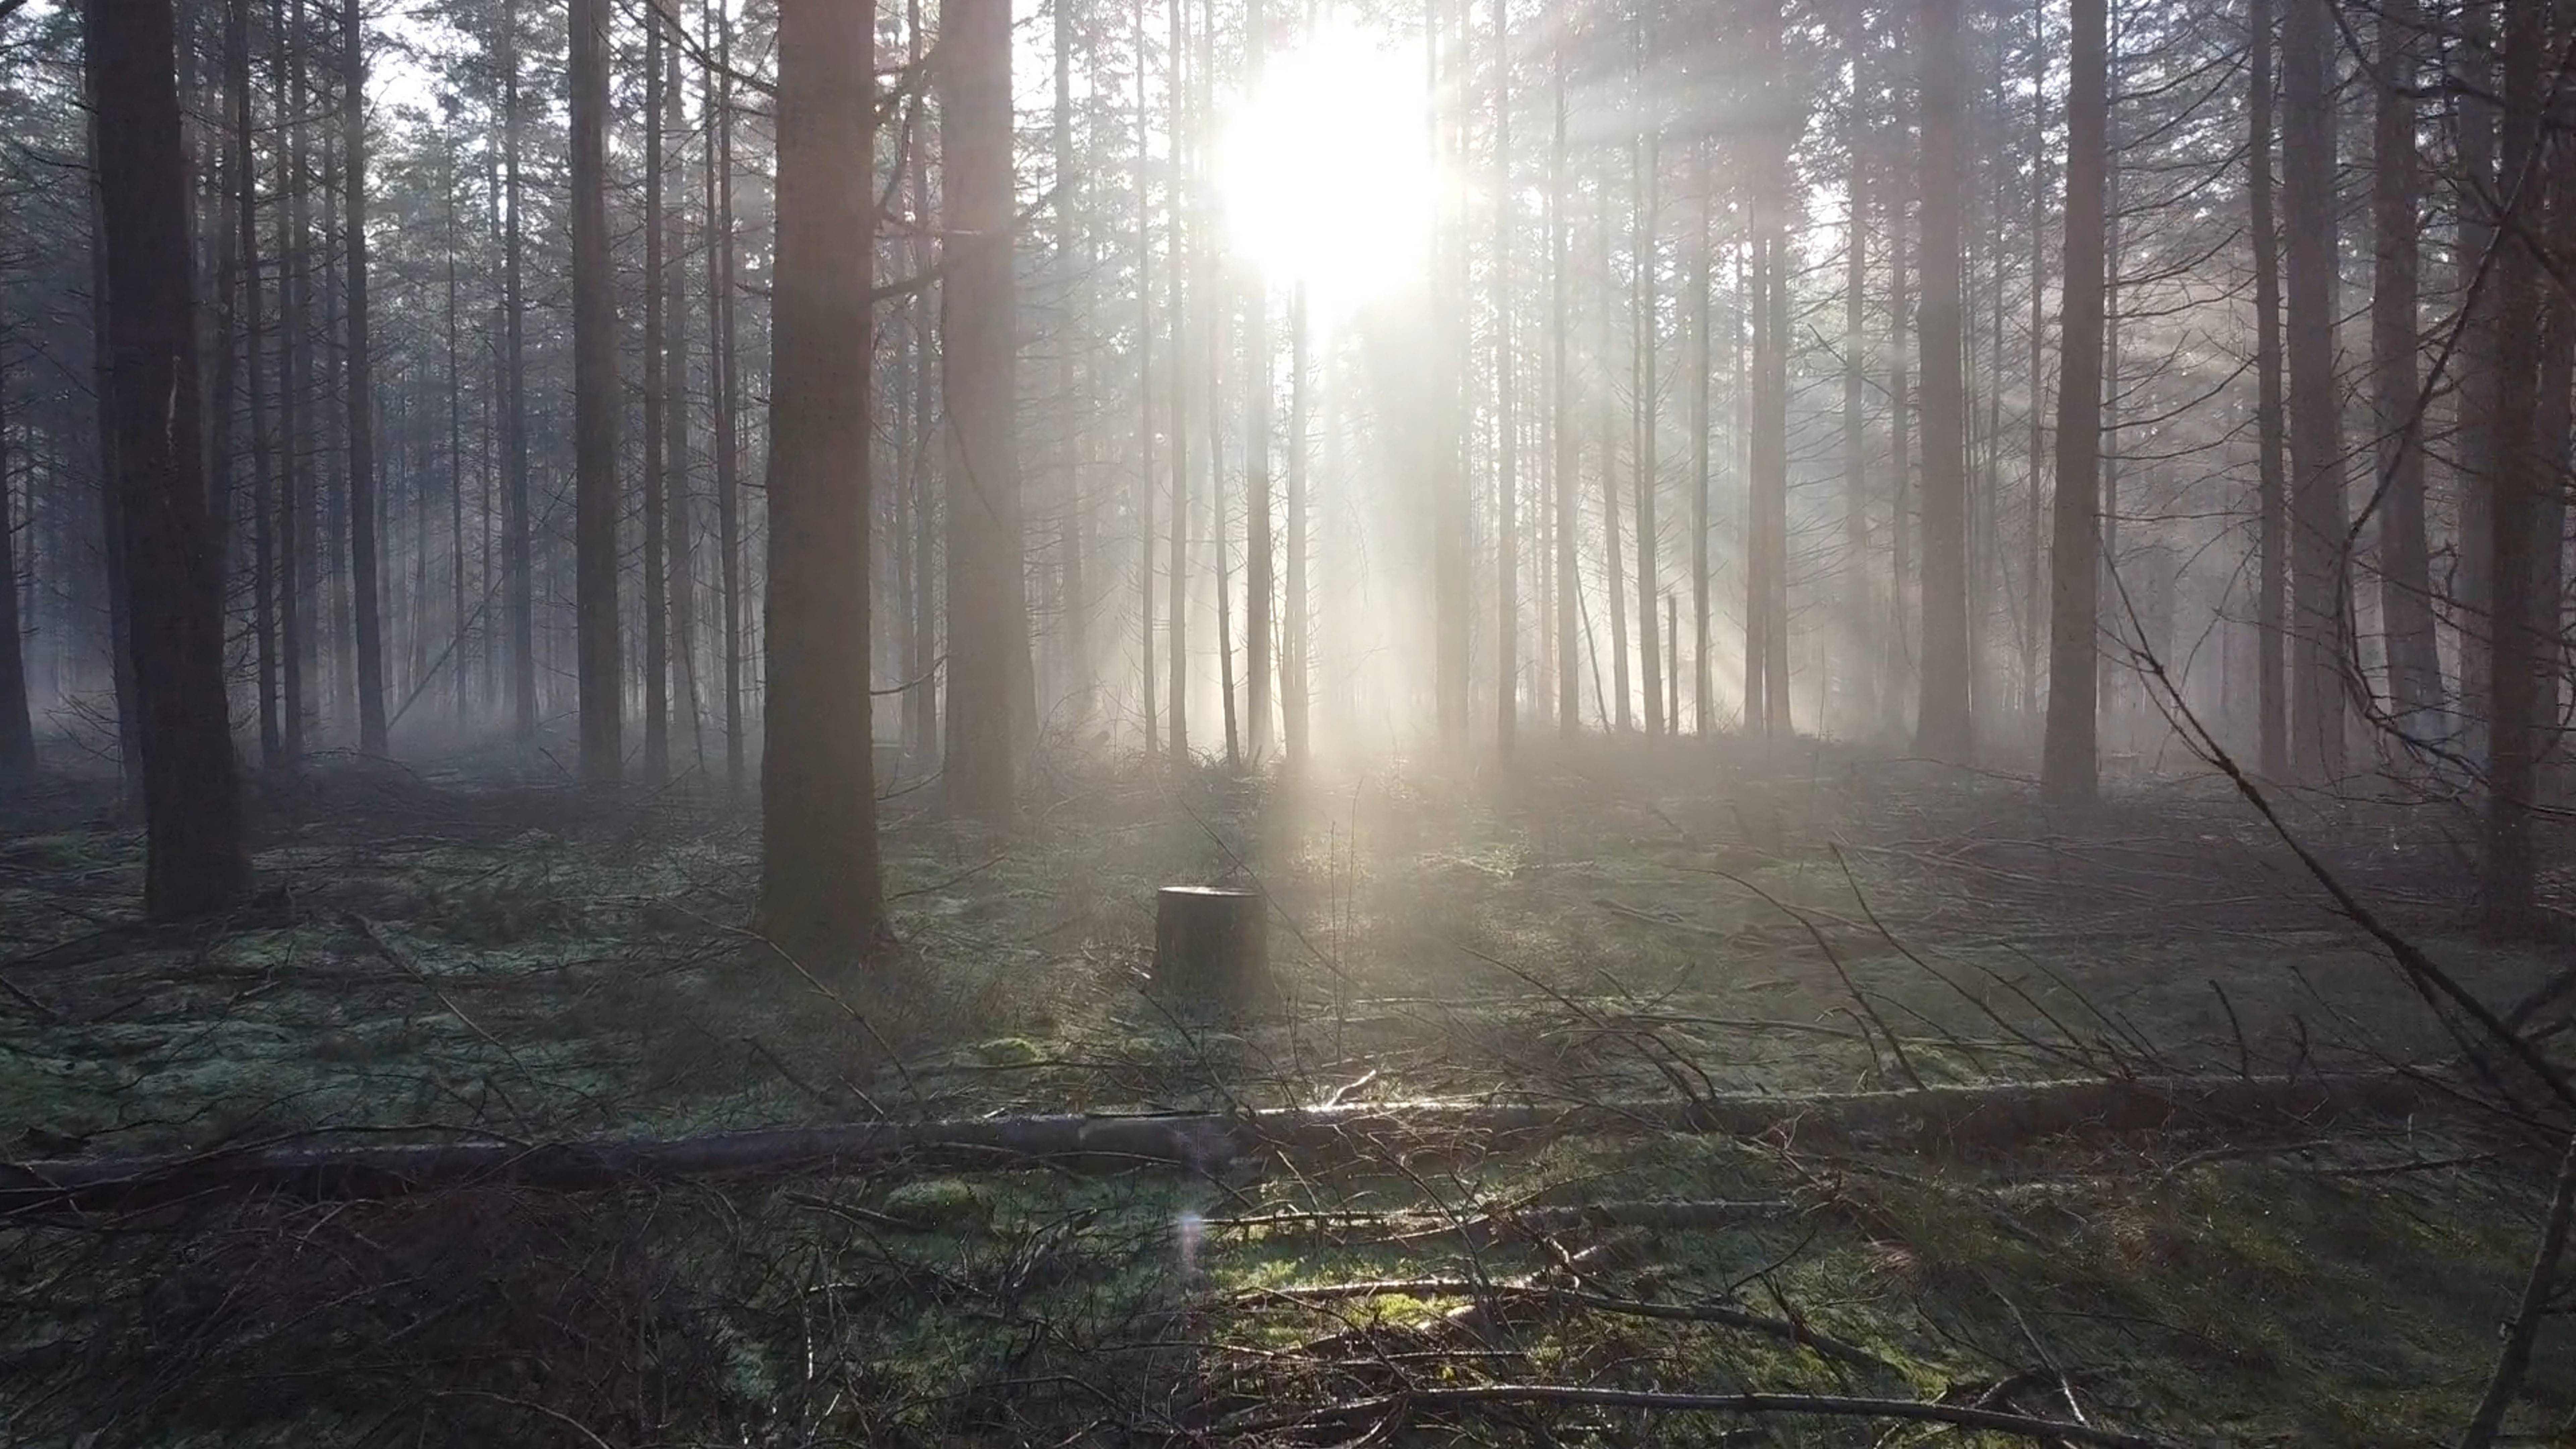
[456,955]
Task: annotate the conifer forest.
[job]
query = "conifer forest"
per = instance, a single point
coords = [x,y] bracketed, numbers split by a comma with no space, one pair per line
[1287,723]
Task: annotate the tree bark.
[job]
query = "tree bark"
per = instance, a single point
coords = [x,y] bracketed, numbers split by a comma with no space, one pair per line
[2521,471]
[2320,603]
[657,719]
[1507,564]
[727,348]
[194,863]
[1703,247]
[518,527]
[820,898]
[1296,623]
[2272,538]
[2069,761]
[366,617]
[1621,706]
[2405,581]
[1177,579]
[674,587]
[596,404]
[1144,501]
[1569,584]
[1859,671]
[17,730]
[1942,726]
[987,611]
[1647,475]
[1259,581]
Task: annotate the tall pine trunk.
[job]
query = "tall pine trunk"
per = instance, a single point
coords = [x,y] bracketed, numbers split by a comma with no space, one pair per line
[2522,469]
[820,898]
[657,402]
[17,730]
[194,863]
[518,527]
[670,589]
[1569,690]
[1144,501]
[361,400]
[2069,761]
[1258,582]
[1942,727]
[2405,582]
[254,351]
[987,612]
[2272,534]
[2321,612]
[726,347]
[595,403]
[1648,480]
[1507,604]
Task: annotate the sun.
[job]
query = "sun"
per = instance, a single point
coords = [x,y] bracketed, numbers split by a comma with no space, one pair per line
[1324,171]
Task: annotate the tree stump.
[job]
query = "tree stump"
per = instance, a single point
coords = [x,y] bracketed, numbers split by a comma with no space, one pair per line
[1212,949]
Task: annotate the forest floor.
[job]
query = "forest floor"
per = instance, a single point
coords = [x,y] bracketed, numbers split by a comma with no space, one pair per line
[454,954]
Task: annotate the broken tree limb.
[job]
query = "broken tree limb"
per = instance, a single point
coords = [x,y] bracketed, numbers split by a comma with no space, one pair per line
[1951,1117]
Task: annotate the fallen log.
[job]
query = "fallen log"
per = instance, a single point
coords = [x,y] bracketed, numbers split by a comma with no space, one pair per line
[1727,1314]
[1400,1408]
[1952,1118]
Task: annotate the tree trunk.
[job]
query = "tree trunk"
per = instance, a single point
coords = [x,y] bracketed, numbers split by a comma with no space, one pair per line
[1942,726]
[1610,484]
[986,609]
[2069,762]
[2320,604]
[1900,404]
[1452,574]
[1074,609]
[2033,589]
[1569,584]
[120,631]
[1144,501]
[194,863]
[1507,565]
[657,403]
[294,406]
[1863,705]
[820,898]
[596,404]
[2405,582]
[2522,471]
[2272,539]
[518,526]
[254,349]
[670,590]
[1648,481]
[922,700]
[1177,579]
[17,730]
[1296,630]
[1258,582]
[727,349]
[361,399]
[1703,678]
[2474,160]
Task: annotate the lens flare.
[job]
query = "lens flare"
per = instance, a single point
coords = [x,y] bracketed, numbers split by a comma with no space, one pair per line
[1324,168]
